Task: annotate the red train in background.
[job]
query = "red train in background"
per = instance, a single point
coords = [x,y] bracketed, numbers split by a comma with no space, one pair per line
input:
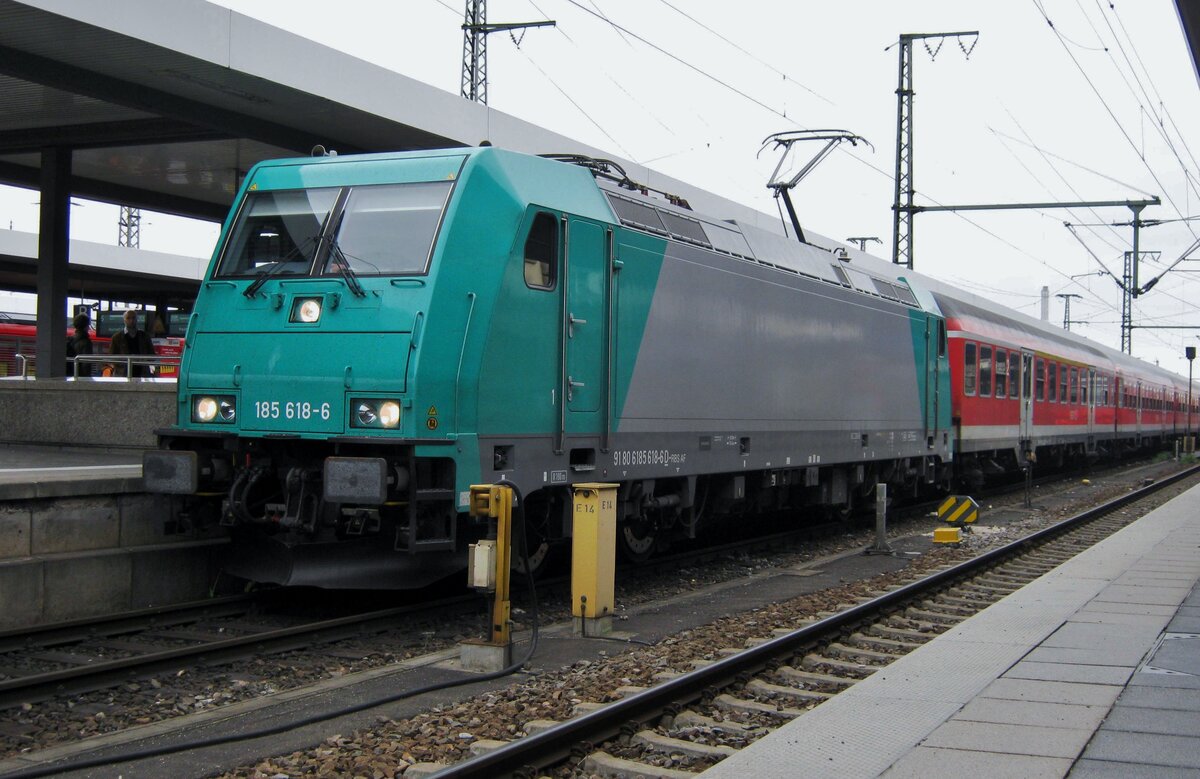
[1025,390]
[18,335]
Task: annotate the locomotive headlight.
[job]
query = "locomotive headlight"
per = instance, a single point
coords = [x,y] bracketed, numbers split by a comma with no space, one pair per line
[375,412]
[205,410]
[389,413]
[214,408]
[366,414]
[306,310]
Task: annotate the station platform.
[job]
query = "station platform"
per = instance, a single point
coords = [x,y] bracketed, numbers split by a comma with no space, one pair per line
[1093,670]
[29,472]
[79,537]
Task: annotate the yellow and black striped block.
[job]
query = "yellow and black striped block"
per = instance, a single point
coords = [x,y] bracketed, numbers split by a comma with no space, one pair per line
[958,509]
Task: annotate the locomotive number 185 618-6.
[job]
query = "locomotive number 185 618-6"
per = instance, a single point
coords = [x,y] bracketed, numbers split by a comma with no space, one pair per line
[290,409]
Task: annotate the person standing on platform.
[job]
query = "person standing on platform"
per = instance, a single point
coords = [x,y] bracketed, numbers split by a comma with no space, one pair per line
[80,343]
[131,340]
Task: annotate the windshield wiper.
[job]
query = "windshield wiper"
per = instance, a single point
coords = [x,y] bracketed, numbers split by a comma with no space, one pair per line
[343,266]
[279,265]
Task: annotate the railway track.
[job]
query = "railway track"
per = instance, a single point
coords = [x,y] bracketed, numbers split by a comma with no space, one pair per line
[689,721]
[85,655]
[250,639]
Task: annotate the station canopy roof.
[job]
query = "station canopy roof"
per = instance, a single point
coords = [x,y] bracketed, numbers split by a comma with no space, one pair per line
[1189,19]
[169,105]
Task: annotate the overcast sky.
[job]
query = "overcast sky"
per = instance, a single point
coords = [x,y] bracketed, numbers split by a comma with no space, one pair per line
[1103,105]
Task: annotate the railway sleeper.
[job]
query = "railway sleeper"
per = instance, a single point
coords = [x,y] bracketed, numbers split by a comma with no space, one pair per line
[970,604]
[535,726]
[795,676]
[693,720]
[1006,579]
[822,664]
[730,703]
[903,635]
[485,745]
[669,745]
[767,690]
[937,618]
[950,605]
[603,764]
[922,627]
[888,644]
[868,656]
[1018,569]
[983,589]
[585,707]
[1002,584]
[903,622]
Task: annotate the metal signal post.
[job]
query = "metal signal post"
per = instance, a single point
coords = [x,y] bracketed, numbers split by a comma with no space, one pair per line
[475,32]
[1066,296]
[902,207]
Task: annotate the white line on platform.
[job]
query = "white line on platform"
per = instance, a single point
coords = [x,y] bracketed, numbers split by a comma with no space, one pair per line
[71,468]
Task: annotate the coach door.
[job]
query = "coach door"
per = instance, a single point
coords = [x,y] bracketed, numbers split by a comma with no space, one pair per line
[587,269]
[1026,399]
[1090,390]
[1137,415]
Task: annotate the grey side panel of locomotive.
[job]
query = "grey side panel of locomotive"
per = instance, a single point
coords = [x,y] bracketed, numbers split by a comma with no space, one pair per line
[732,347]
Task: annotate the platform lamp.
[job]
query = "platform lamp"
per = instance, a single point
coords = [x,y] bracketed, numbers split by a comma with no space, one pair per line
[1190,353]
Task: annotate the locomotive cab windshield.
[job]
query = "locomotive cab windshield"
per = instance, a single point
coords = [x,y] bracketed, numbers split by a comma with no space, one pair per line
[373,230]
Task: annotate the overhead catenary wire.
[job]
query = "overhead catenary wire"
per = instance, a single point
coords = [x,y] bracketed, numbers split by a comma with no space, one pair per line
[748,53]
[1107,107]
[1047,188]
[1149,106]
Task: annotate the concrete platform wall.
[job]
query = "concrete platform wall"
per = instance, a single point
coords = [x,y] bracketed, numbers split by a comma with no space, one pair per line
[114,414]
[64,558]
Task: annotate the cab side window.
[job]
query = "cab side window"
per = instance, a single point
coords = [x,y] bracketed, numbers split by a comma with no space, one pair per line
[541,252]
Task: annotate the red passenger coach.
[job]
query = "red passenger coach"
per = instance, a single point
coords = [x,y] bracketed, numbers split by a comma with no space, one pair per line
[1022,388]
[21,338]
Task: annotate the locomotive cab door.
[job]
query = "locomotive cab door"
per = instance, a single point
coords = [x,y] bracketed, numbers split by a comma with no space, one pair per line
[1026,429]
[585,327]
[935,353]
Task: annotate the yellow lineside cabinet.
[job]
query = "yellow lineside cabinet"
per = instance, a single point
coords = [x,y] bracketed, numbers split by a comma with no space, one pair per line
[593,550]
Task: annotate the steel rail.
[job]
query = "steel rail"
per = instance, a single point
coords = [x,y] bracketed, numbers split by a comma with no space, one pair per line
[541,749]
[68,631]
[98,675]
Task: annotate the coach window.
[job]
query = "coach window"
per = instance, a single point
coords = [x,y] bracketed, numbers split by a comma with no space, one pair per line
[1052,382]
[1040,375]
[985,371]
[541,252]
[1013,362]
[969,369]
[1001,373]
[1074,385]
[1062,383]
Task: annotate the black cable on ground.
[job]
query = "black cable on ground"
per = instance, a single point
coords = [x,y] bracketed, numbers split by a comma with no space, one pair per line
[52,769]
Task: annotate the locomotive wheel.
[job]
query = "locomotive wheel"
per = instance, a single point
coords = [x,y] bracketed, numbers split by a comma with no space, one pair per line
[636,540]
[539,514]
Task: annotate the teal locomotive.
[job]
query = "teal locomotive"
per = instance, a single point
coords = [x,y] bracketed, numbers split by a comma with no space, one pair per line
[376,333]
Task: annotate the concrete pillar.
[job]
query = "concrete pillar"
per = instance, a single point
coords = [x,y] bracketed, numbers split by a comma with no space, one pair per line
[53,251]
